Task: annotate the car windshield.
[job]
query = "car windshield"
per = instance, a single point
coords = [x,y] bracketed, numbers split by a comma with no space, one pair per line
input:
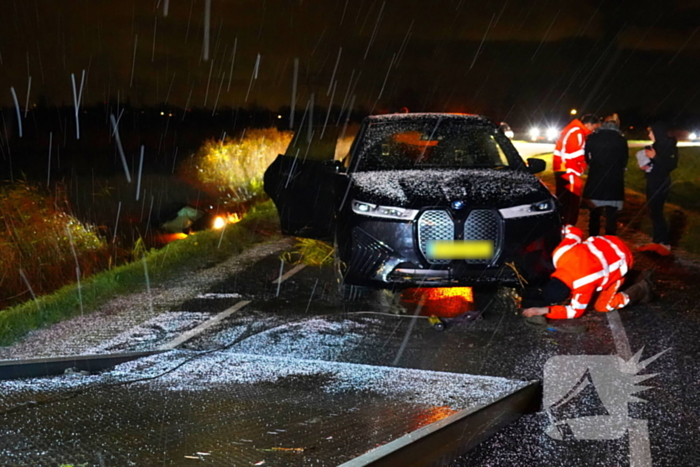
[429,142]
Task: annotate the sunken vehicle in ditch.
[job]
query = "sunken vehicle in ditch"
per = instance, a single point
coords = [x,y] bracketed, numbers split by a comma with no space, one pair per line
[429,200]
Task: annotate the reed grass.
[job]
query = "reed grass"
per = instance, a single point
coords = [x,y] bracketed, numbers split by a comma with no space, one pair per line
[174,260]
[42,246]
[233,169]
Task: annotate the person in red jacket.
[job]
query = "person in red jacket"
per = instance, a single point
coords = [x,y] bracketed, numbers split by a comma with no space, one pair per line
[569,163]
[590,270]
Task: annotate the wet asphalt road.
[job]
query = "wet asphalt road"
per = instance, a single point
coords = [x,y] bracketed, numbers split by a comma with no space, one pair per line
[670,323]
[500,344]
[304,318]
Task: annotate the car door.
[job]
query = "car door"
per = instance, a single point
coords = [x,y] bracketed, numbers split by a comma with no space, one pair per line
[304,183]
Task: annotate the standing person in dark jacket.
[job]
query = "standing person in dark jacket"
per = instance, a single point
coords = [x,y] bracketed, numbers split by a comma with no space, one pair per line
[606,156]
[664,159]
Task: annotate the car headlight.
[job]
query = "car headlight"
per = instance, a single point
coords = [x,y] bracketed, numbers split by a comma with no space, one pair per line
[693,136]
[509,134]
[387,212]
[552,133]
[526,210]
[534,133]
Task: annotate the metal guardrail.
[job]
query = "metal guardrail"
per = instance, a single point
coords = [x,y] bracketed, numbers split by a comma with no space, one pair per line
[40,367]
[440,443]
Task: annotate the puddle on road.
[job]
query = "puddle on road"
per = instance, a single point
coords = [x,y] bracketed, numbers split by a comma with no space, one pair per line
[443,302]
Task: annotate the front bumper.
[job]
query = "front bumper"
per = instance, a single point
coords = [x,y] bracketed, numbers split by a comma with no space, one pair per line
[385,253]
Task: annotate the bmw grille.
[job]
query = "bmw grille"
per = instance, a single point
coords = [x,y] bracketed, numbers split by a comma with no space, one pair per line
[434,225]
[481,224]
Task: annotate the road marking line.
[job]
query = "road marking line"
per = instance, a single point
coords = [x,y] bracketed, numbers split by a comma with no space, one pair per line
[204,326]
[640,447]
[622,344]
[638,431]
[289,274]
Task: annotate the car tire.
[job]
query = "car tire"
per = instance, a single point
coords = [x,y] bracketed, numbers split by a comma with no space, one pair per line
[388,301]
[347,292]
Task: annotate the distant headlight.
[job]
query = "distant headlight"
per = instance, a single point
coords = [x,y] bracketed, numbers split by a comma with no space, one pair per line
[509,134]
[552,133]
[387,212]
[693,136]
[526,210]
[534,133]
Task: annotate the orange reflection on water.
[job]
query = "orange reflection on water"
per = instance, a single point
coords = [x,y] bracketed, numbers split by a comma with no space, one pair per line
[440,293]
[171,237]
[444,302]
[432,415]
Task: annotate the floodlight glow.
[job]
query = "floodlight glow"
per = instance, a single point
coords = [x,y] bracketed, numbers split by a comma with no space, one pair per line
[219,222]
[552,133]
[534,133]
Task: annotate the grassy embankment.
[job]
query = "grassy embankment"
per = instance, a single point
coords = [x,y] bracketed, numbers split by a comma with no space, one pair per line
[39,255]
[177,258]
[43,246]
[683,206]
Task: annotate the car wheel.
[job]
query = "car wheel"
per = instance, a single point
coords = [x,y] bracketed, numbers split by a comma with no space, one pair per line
[347,292]
[389,301]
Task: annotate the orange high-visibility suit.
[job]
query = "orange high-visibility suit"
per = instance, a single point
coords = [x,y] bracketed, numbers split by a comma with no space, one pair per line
[595,266]
[569,155]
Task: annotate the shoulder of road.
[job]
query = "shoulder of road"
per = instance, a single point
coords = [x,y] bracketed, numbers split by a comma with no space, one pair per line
[76,317]
[74,333]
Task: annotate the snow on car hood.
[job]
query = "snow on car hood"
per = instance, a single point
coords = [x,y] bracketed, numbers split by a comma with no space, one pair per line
[414,188]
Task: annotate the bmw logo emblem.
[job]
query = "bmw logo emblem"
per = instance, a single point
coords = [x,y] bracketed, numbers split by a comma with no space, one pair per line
[457,205]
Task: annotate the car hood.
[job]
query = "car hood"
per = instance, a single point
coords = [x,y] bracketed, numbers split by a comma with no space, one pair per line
[497,188]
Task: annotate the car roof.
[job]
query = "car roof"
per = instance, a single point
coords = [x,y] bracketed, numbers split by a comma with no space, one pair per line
[467,118]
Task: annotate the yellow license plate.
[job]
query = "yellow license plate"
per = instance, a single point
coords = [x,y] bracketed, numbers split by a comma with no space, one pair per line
[460,249]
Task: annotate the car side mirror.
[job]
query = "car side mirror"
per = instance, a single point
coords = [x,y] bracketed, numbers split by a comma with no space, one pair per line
[535,166]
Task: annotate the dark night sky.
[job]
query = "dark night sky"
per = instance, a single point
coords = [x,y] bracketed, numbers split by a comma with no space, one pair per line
[506,58]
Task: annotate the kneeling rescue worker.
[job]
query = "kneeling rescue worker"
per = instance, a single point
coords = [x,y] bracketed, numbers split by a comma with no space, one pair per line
[586,269]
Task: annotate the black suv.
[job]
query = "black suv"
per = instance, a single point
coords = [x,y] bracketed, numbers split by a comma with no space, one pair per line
[421,200]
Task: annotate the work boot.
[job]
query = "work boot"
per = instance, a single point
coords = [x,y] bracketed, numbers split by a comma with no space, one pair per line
[664,249]
[639,293]
[647,247]
[635,276]
[661,249]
